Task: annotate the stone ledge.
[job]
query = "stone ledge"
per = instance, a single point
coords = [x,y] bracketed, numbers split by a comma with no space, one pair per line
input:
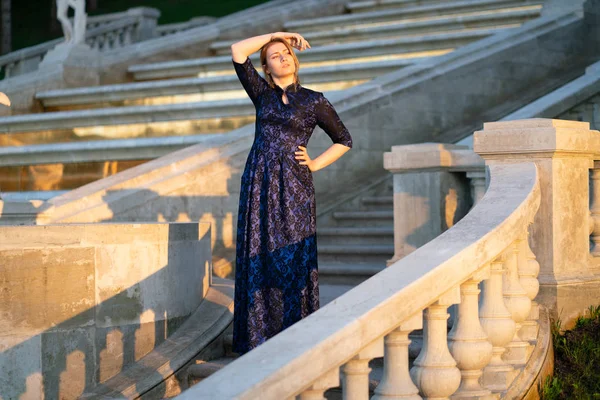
[209,321]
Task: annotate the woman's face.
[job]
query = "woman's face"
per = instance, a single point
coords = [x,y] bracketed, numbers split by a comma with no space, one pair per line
[279,60]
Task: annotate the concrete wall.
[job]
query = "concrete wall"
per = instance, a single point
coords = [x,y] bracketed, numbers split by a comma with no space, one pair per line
[79,303]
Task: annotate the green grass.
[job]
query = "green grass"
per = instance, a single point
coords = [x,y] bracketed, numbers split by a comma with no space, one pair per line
[577,360]
[32,23]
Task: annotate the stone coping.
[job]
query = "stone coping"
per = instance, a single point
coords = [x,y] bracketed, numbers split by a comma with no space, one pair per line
[532,136]
[289,362]
[171,87]
[210,320]
[431,156]
[427,10]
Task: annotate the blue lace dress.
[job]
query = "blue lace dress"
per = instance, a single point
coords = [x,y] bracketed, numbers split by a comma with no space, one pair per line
[276,277]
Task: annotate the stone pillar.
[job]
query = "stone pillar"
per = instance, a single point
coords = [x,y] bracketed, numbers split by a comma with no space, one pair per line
[431,191]
[563,152]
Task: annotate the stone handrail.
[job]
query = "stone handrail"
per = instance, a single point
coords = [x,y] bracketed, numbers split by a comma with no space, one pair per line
[105,32]
[375,318]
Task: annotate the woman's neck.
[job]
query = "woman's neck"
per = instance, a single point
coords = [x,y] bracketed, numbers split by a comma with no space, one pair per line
[284,81]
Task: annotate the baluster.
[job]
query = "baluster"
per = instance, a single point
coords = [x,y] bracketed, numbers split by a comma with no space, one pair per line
[519,305]
[478,185]
[127,35]
[316,390]
[469,343]
[595,209]
[8,70]
[434,370]
[529,269]
[396,382]
[497,322]
[355,373]
[100,42]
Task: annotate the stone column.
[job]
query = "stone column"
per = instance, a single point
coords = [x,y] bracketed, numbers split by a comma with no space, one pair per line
[430,194]
[563,152]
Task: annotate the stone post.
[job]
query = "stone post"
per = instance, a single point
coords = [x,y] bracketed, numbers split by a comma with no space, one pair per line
[431,191]
[564,152]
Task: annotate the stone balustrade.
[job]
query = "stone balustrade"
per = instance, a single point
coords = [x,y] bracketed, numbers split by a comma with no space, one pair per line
[104,33]
[524,262]
[435,185]
[374,319]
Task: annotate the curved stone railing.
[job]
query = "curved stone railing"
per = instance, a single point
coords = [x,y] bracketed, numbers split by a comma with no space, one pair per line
[104,32]
[488,245]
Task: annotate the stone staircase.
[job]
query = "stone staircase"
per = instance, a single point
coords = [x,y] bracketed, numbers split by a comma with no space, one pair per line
[174,104]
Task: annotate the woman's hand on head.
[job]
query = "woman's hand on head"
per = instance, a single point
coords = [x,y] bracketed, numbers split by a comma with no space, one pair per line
[294,39]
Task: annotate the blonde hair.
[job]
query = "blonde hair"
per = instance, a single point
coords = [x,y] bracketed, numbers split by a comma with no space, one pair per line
[263,61]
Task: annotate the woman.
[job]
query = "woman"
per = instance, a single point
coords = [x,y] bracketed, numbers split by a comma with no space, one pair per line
[276,279]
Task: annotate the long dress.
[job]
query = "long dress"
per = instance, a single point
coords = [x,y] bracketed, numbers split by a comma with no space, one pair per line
[276,277]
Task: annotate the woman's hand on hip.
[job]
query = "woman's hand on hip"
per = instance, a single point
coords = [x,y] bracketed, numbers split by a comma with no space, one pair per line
[304,158]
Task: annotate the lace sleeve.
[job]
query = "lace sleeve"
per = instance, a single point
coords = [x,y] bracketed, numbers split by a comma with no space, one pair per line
[330,122]
[253,83]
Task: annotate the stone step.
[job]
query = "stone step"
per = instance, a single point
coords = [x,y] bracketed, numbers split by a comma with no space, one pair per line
[369,253]
[381,218]
[377,203]
[222,65]
[411,28]
[346,274]
[378,5]
[387,201]
[378,47]
[97,150]
[356,235]
[463,7]
[232,108]
[207,88]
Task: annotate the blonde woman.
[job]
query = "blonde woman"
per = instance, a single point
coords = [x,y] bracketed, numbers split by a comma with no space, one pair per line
[276,279]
